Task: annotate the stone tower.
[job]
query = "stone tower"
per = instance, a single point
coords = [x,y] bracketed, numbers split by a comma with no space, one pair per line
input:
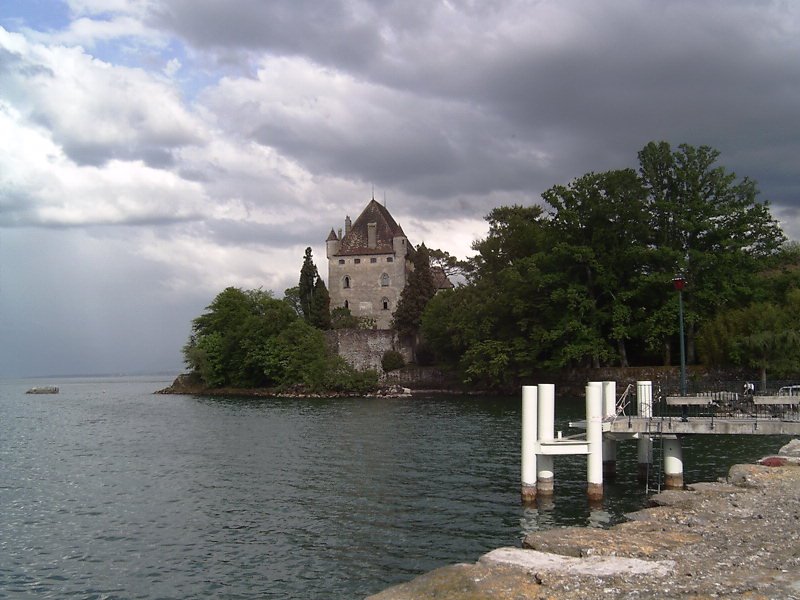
[368,265]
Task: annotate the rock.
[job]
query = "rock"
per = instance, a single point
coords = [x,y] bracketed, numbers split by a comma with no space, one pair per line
[467,582]
[639,539]
[596,566]
[791,449]
[746,476]
[677,498]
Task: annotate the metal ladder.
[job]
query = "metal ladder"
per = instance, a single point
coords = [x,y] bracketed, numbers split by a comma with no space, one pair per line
[655,471]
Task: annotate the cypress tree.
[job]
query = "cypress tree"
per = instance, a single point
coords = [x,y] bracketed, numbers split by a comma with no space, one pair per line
[419,289]
[320,316]
[308,279]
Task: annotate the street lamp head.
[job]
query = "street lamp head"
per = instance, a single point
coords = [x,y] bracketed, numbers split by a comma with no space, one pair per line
[679,283]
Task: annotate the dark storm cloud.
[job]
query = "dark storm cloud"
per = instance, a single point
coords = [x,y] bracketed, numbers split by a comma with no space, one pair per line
[229,232]
[578,88]
[330,28]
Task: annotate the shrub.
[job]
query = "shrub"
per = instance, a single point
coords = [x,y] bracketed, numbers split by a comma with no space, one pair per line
[392,360]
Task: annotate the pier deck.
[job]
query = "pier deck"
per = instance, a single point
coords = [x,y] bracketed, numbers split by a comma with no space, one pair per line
[695,425]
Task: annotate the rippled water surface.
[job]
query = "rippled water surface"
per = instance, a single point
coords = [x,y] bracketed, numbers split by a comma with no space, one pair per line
[109,491]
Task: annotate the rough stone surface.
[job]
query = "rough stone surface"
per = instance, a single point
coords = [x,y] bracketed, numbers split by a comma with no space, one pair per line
[734,539]
[364,348]
[791,449]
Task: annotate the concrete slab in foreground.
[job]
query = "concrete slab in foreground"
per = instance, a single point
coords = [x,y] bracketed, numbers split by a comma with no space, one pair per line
[596,566]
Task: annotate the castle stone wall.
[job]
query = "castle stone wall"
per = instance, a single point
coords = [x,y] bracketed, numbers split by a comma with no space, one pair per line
[364,348]
[367,292]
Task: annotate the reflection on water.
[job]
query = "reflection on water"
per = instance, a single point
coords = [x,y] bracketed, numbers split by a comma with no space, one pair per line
[109,490]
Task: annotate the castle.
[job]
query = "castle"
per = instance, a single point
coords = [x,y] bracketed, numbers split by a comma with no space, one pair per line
[368,265]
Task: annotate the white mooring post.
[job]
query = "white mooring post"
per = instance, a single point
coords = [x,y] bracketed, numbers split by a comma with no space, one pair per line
[594,437]
[673,463]
[609,445]
[530,431]
[546,432]
[644,403]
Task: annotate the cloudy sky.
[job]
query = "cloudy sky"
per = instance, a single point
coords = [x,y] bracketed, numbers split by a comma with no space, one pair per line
[153,152]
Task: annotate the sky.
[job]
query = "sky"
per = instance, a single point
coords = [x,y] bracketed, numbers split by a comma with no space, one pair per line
[154,152]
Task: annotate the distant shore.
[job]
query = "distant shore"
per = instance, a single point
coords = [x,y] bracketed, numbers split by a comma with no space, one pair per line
[189,384]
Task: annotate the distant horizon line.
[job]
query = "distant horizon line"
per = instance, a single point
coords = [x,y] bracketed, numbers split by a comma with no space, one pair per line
[140,373]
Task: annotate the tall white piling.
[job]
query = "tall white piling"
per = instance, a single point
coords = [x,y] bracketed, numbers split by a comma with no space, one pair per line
[529,436]
[609,445]
[673,463]
[594,437]
[546,432]
[644,403]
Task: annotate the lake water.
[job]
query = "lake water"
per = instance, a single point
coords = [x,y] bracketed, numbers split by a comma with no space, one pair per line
[110,491]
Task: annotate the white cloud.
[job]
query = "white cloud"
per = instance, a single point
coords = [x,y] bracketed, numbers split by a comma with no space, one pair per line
[95,110]
[39,185]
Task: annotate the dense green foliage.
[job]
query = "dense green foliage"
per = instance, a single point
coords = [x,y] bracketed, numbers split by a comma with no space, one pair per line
[419,289]
[311,295]
[586,280]
[392,360]
[250,339]
[763,336]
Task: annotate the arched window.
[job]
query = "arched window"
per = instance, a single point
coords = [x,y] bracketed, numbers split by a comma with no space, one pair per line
[385,303]
[346,281]
[347,304]
[384,280]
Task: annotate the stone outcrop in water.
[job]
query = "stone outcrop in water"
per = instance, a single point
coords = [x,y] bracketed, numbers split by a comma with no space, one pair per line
[734,539]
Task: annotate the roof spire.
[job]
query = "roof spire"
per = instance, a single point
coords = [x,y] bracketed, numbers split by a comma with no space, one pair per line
[373,192]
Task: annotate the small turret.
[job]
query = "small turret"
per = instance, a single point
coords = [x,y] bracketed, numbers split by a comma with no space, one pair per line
[332,244]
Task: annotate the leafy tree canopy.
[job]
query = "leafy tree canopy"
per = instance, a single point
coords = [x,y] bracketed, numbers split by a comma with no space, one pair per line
[586,279]
[249,339]
[419,289]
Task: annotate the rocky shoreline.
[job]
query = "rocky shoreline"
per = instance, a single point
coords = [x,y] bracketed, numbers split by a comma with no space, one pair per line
[189,384]
[737,538]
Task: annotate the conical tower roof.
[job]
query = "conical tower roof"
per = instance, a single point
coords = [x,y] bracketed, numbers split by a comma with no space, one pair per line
[386,229]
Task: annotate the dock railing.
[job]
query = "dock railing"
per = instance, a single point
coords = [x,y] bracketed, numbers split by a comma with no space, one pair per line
[780,400]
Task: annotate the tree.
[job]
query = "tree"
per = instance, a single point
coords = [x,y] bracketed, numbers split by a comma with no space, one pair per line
[599,249]
[450,265]
[589,281]
[763,336]
[226,340]
[311,295]
[249,339]
[708,226]
[308,280]
[320,313]
[292,297]
[419,289]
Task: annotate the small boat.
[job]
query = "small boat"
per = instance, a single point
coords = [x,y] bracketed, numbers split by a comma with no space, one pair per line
[44,389]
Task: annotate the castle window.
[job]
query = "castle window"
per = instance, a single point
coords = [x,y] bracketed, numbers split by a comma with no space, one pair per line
[389,259]
[346,281]
[357,261]
[347,305]
[341,261]
[384,280]
[385,303]
[373,260]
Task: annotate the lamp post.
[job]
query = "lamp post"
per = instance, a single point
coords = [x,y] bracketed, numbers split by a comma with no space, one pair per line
[679,282]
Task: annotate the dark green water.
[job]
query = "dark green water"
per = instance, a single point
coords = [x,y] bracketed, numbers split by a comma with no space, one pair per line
[109,491]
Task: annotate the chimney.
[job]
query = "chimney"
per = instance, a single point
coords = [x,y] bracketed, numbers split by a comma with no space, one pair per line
[347,225]
[372,238]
